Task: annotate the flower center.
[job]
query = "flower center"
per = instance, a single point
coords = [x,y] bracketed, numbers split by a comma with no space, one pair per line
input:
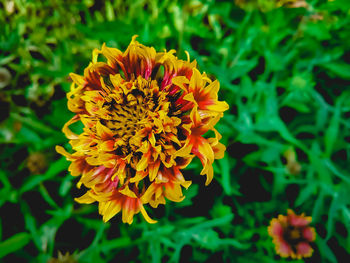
[293,235]
[128,119]
[132,110]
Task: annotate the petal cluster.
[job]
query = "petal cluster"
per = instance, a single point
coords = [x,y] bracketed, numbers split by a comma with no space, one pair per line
[144,115]
[292,235]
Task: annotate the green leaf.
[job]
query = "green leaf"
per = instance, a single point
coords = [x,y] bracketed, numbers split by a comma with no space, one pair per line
[30,224]
[55,168]
[208,239]
[155,251]
[305,194]
[14,243]
[340,69]
[189,194]
[242,67]
[45,194]
[332,131]
[318,30]
[225,174]
[109,11]
[220,210]
[325,250]
[66,185]
[335,206]
[116,243]
[318,207]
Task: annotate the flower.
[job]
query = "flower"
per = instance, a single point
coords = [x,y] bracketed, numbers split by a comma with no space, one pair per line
[5,77]
[144,116]
[37,163]
[292,235]
[66,258]
[292,166]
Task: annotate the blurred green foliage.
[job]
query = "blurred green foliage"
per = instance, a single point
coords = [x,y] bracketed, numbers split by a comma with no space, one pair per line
[286,76]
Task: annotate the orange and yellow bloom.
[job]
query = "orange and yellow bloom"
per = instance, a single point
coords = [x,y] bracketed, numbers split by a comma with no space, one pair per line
[292,235]
[144,114]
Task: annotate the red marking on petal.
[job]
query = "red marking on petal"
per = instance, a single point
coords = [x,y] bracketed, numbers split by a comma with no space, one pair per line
[308,233]
[203,105]
[303,248]
[109,145]
[148,69]
[277,229]
[99,170]
[296,220]
[284,248]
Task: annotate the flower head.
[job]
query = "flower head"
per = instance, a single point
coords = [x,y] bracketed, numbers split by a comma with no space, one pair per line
[144,115]
[292,165]
[37,163]
[66,258]
[292,235]
[5,77]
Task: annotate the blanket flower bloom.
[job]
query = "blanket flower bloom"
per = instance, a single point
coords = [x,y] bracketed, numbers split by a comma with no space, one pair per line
[292,235]
[144,114]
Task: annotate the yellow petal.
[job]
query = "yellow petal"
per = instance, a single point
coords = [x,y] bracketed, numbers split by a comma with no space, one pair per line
[210,174]
[127,216]
[153,171]
[85,199]
[62,151]
[196,81]
[186,184]
[77,79]
[142,164]
[113,209]
[148,194]
[103,132]
[145,215]
[219,106]
[180,81]
[184,151]
[126,191]
[69,134]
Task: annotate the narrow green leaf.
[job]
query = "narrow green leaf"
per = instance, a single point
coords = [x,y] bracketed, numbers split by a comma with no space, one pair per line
[325,250]
[331,134]
[208,239]
[225,174]
[0,228]
[335,205]
[109,11]
[155,251]
[121,242]
[44,193]
[305,194]
[316,212]
[189,194]
[340,69]
[55,168]
[14,243]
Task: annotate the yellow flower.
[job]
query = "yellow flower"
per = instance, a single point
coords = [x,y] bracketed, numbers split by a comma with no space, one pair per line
[144,115]
[292,235]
